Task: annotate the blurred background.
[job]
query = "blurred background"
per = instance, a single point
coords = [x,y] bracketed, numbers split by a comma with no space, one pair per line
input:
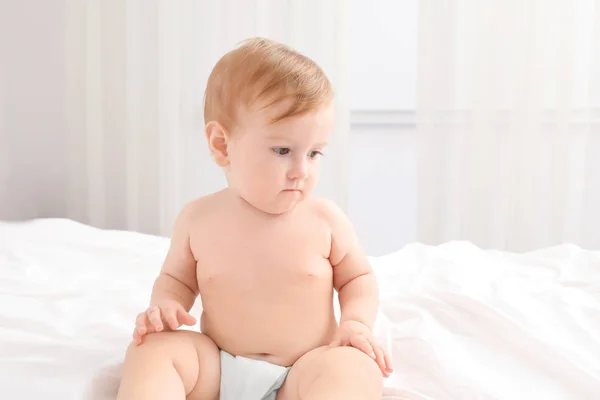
[456,120]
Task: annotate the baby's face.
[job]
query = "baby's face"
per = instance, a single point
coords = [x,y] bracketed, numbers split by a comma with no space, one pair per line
[275,166]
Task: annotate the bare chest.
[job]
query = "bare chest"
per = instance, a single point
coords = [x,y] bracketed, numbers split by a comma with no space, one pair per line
[272,258]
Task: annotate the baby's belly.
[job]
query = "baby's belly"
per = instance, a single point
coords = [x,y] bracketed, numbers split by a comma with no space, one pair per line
[278,324]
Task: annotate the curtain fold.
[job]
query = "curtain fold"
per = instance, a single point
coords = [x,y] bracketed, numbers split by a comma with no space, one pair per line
[128,136]
[508,128]
[136,75]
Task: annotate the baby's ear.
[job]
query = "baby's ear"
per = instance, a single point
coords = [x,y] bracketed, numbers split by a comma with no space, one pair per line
[217,142]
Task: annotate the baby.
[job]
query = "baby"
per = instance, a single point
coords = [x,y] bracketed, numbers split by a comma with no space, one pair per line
[263,255]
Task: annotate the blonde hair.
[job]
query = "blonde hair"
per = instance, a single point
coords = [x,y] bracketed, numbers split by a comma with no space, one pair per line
[262,70]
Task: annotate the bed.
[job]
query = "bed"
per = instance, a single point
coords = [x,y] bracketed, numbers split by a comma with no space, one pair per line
[460,322]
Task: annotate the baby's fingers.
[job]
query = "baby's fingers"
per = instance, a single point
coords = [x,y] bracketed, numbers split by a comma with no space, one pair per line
[388,361]
[362,344]
[140,329]
[140,324]
[185,317]
[137,338]
[379,356]
[155,318]
[381,362]
[171,318]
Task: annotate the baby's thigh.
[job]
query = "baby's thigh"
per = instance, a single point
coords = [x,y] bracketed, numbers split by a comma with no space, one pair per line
[339,372]
[193,355]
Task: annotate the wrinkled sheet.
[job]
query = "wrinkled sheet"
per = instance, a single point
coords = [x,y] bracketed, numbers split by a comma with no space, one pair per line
[461,323]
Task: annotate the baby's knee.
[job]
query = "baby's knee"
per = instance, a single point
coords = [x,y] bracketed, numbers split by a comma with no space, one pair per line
[152,343]
[351,363]
[194,356]
[351,371]
[185,346]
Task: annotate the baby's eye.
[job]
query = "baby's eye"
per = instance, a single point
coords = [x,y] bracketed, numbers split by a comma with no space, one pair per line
[282,151]
[315,154]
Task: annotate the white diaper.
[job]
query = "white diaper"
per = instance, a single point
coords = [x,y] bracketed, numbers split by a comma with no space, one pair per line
[248,379]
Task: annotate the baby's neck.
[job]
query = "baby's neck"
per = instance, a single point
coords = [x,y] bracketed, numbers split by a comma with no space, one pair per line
[243,205]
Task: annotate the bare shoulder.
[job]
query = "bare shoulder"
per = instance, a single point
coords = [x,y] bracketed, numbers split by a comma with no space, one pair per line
[342,235]
[330,212]
[194,211]
[202,206]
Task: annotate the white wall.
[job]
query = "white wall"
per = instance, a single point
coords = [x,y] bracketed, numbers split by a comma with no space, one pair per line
[383,54]
[382,188]
[31,95]
[383,70]
[382,62]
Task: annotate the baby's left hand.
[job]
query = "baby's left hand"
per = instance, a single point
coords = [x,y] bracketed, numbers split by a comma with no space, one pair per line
[359,336]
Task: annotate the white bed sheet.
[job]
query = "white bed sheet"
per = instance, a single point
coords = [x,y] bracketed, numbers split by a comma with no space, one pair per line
[461,323]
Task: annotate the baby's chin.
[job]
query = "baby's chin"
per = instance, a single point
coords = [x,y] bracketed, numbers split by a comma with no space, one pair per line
[283,203]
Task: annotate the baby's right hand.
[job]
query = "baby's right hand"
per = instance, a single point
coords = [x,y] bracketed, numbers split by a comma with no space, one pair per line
[170,315]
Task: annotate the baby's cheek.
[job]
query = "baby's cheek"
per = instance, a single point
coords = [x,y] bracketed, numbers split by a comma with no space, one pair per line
[310,184]
[313,177]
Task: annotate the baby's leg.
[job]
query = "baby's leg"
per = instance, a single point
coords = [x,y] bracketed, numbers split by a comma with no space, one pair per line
[171,365]
[341,373]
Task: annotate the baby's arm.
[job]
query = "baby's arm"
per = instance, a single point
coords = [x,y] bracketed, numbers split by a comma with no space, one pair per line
[177,279]
[176,287]
[353,276]
[358,293]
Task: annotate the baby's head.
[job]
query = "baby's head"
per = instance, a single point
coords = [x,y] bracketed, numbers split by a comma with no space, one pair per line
[269,114]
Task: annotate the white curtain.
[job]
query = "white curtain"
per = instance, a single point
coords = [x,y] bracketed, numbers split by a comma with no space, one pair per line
[509,123]
[131,140]
[137,71]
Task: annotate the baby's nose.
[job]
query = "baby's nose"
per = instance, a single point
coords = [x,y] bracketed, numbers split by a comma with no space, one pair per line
[298,170]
